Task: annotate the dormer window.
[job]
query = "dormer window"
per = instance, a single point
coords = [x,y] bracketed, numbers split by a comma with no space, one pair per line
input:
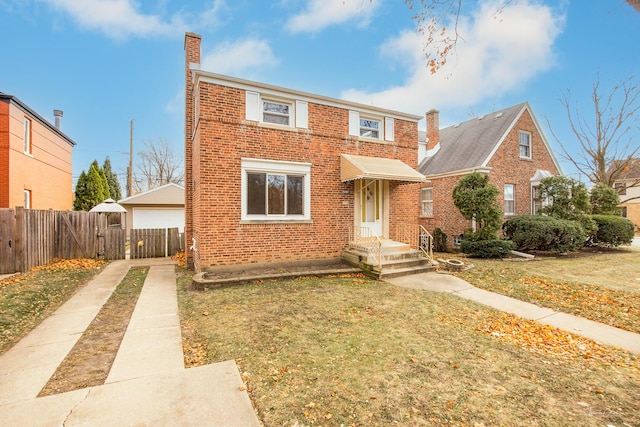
[276,112]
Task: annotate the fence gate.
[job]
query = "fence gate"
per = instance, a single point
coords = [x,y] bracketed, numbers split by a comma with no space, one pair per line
[113,244]
[154,242]
[7,241]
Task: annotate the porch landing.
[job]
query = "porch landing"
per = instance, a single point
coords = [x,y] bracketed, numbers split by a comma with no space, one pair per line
[396,259]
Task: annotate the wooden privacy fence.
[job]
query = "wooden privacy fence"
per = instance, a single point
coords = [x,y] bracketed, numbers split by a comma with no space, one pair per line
[154,242]
[30,238]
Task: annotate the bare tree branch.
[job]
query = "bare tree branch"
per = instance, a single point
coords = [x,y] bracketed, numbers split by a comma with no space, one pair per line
[159,165]
[608,141]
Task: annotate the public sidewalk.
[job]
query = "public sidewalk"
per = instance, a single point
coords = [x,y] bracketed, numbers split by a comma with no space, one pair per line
[604,334]
[147,384]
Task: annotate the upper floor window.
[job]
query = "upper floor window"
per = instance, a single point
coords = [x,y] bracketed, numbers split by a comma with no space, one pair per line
[426,202]
[509,200]
[276,112]
[27,199]
[621,188]
[370,128]
[274,190]
[27,135]
[525,145]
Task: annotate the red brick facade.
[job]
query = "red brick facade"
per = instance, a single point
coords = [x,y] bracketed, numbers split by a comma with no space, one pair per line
[505,167]
[219,136]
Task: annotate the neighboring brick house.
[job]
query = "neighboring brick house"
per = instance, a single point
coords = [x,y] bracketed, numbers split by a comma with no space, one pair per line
[35,159]
[507,144]
[628,186]
[275,174]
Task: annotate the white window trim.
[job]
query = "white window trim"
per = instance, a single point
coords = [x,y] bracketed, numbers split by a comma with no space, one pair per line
[372,119]
[423,201]
[298,110]
[27,131]
[26,194]
[276,167]
[513,199]
[523,132]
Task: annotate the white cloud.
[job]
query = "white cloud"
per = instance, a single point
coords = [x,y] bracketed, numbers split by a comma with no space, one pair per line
[239,58]
[320,14]
[498,53]
[120,19]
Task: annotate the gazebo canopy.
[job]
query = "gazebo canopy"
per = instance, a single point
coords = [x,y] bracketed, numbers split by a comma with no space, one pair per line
[108,206]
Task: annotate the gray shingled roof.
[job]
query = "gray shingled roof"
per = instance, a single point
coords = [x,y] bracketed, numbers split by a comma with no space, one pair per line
[468,145]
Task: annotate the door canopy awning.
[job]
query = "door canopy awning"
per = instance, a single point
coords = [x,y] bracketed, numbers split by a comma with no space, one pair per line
[362,167]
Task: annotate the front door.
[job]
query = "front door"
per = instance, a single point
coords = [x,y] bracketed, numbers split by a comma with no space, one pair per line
[371,205]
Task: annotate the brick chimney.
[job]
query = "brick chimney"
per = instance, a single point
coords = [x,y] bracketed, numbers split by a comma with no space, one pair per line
[433,129]
[192,56]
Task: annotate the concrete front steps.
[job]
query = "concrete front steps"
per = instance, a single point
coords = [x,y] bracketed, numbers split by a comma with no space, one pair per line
[398,259]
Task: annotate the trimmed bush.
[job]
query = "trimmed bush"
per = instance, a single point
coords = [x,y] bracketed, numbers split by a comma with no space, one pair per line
[493,248]
[612,230]
[439,240]
[544,233]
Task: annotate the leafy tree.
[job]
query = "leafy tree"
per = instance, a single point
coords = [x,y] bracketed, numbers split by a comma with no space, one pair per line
[112,180]
[569,200]
[476,199]
[604,200]
[80,201]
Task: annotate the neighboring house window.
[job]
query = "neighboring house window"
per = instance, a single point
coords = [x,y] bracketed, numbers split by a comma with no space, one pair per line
[426,201]
[27,136]
[274,190]
[525,145]
[621,188]
[370,128]
[624,212]
[27,199]
[276,112]
[509,200]
[537,202]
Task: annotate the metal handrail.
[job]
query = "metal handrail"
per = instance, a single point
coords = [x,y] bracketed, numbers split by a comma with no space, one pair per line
[416,236]
[363,238]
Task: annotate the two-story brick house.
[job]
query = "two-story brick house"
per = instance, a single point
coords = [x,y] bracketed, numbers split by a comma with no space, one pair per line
[35,159]
[276,174]
[508,145]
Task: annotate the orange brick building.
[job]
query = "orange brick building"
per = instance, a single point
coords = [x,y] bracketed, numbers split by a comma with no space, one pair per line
[507,144]
[35,159]
[275,174]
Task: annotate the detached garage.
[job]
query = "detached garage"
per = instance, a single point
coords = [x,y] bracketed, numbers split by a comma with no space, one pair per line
[161,207]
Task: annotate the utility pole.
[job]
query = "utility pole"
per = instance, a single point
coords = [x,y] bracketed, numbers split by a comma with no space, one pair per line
[130,174]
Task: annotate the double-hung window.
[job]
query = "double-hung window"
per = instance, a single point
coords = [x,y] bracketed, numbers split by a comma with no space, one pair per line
[509,200]
[27,136]
[274,190]
[276,112]
[525,145]
[370,128]
[621,188]
[426,202]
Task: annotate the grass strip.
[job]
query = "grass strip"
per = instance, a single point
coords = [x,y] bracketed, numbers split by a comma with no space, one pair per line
[27,299]
[89,361]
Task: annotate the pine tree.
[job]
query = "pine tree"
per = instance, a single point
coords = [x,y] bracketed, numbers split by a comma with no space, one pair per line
[112,180]
[80,201]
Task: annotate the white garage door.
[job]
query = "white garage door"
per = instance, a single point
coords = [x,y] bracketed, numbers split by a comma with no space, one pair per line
[158,218]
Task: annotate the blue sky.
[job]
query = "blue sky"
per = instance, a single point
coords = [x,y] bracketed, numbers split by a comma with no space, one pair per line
[106,62]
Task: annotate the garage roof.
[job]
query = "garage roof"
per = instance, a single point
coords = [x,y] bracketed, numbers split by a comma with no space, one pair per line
[168,194]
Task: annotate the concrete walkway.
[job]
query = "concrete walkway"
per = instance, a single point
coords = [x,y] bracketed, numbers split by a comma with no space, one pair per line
[604,334]
[147,384]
